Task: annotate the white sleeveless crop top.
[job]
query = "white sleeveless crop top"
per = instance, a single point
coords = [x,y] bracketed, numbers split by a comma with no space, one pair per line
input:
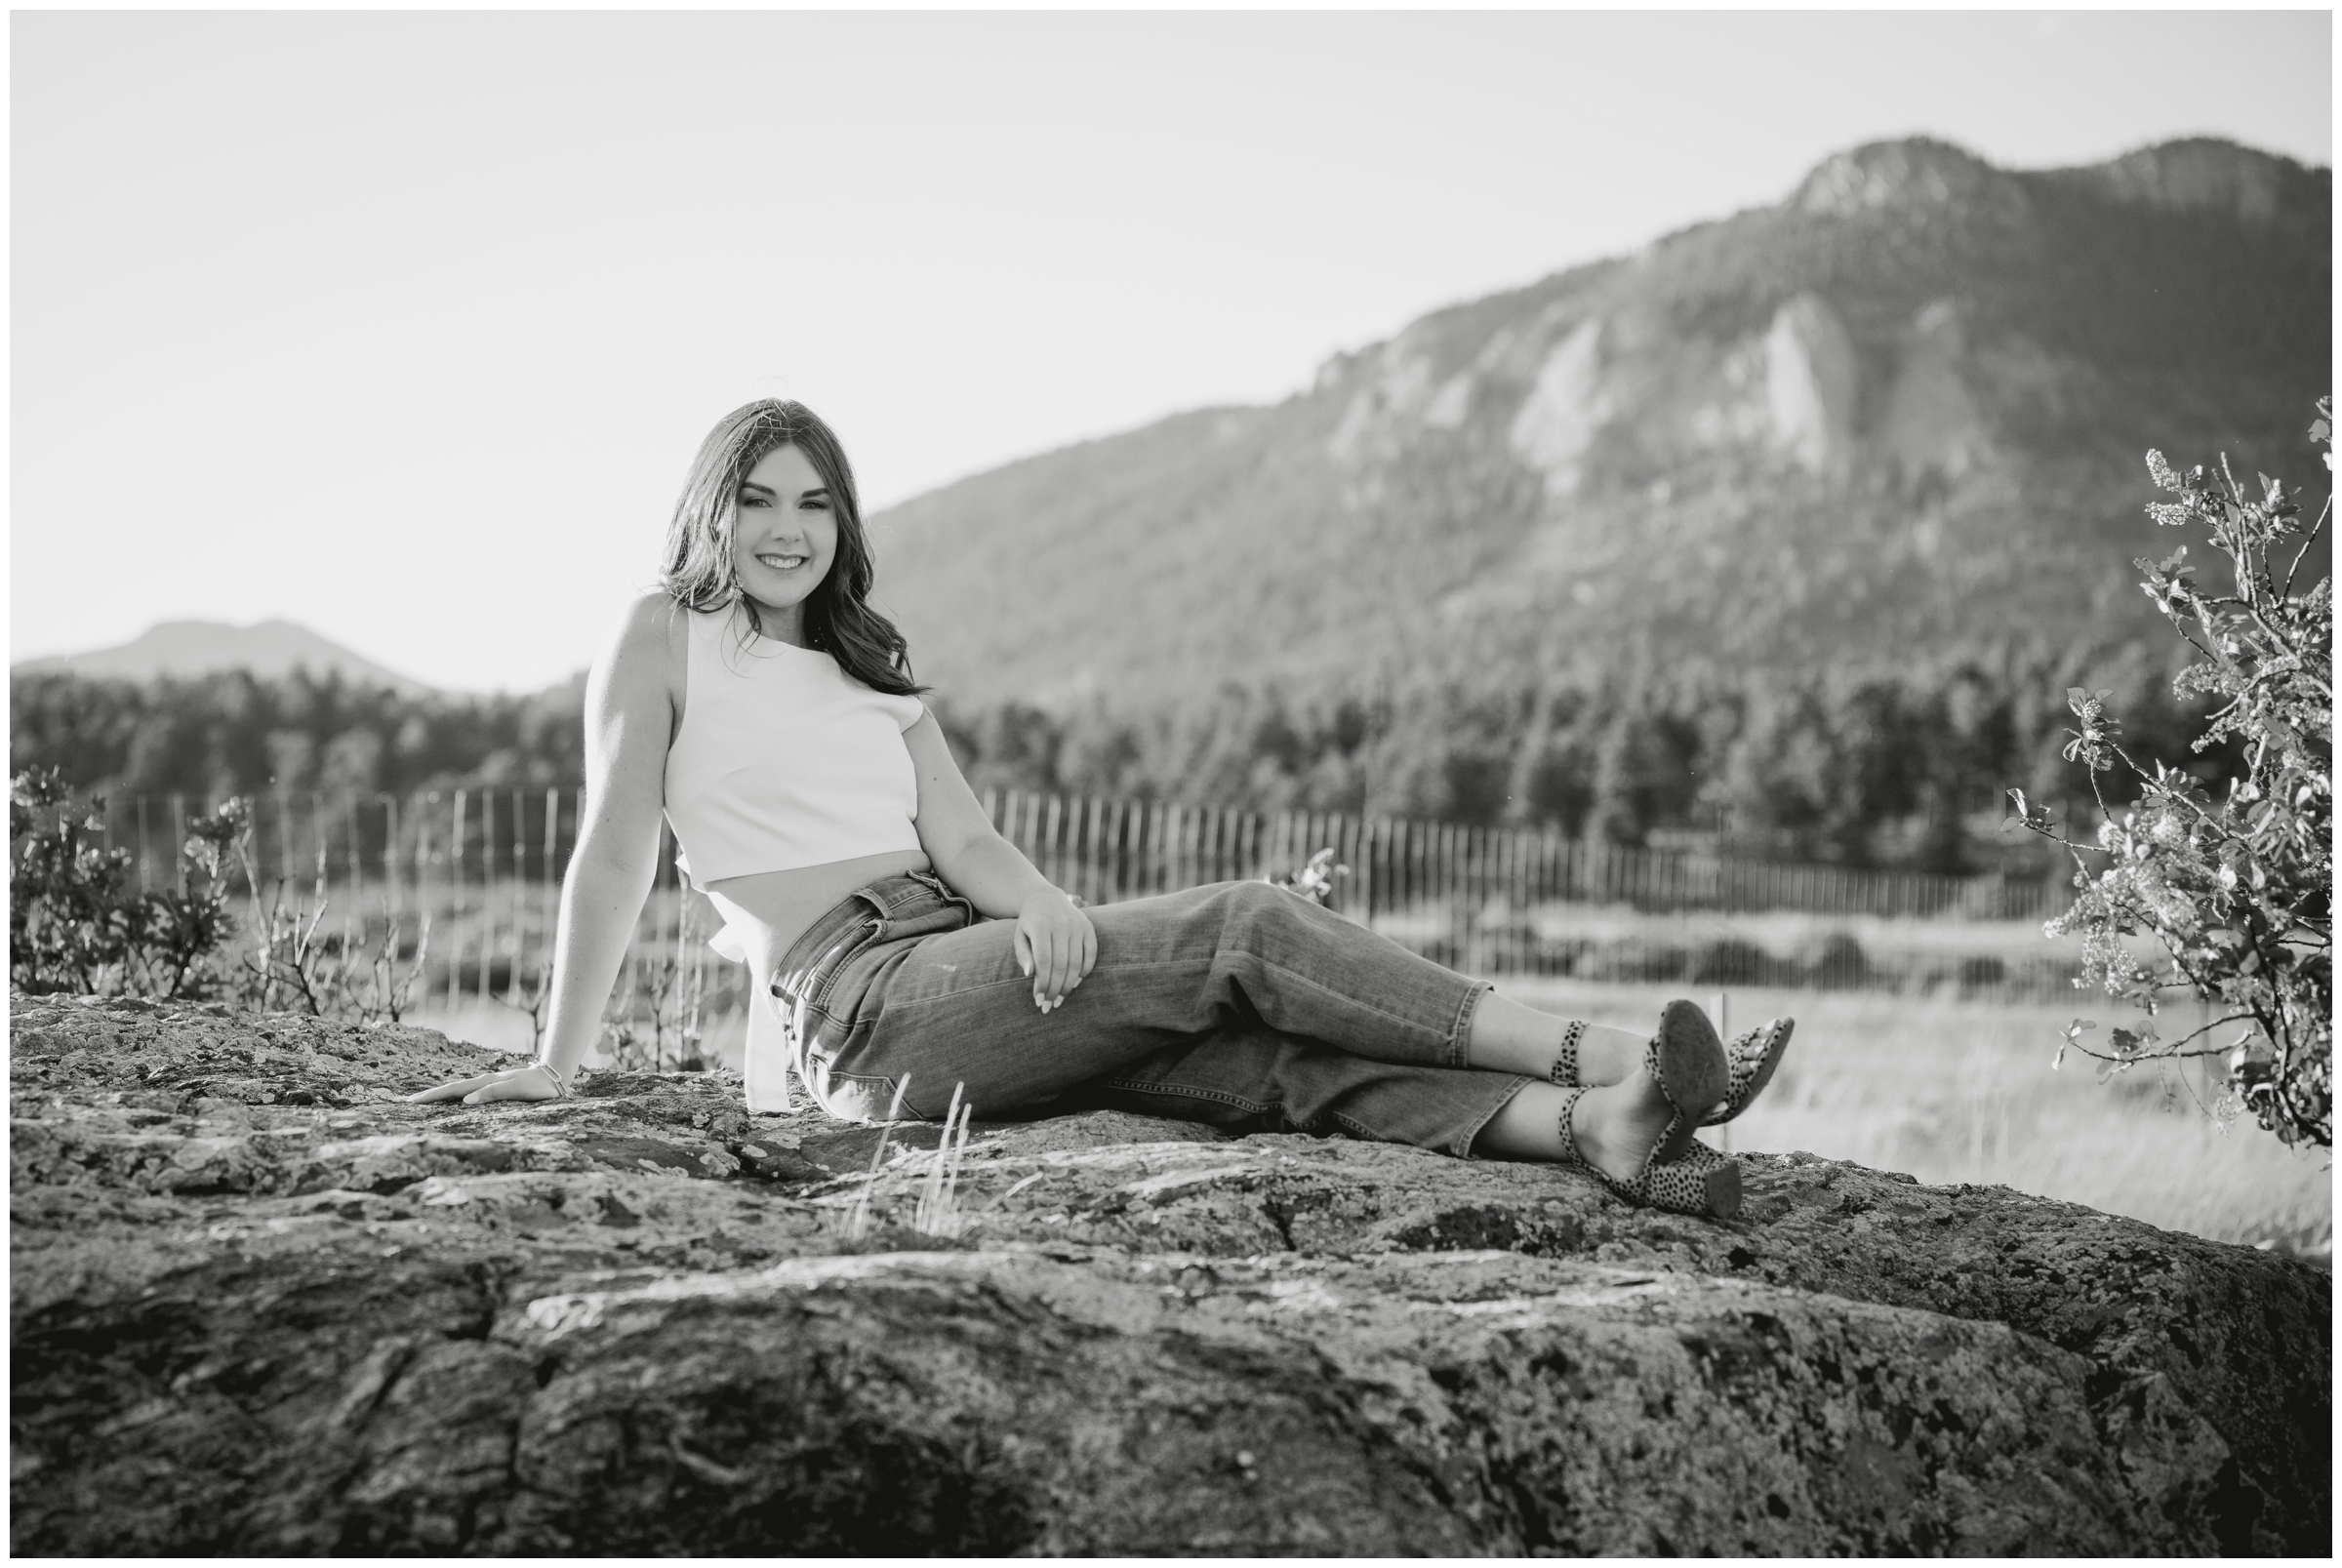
[784,760]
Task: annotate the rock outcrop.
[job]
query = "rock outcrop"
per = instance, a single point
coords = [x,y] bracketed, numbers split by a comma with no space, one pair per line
[263,1306]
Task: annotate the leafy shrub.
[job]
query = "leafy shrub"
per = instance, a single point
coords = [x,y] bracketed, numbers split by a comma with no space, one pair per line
[1983,969]
[1735,961]
[74,923]
[1840,963]
[2238,892]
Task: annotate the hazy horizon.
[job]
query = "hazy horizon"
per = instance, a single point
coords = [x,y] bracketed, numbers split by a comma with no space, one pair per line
[438,304]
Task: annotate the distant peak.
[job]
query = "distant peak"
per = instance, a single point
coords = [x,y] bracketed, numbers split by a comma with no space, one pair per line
[1915,171]
[189,649]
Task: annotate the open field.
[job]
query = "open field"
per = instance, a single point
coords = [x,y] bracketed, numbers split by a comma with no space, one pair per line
[1953,1091]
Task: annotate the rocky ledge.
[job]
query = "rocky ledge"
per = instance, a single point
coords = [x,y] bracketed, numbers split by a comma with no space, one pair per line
[259,1306]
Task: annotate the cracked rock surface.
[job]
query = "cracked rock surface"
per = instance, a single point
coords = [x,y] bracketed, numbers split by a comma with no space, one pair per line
[259,1306]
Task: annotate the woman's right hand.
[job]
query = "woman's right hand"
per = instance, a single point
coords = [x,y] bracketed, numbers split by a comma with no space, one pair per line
[532,1082]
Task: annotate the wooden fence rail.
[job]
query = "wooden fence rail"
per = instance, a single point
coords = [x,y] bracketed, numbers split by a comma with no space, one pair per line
[485,865]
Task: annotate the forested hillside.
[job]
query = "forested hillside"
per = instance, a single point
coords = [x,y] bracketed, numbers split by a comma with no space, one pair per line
[1862,770]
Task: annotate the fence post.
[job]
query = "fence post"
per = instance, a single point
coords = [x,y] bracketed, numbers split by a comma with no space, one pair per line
[1110,887]
[255,863]
[548,877]
[518,895]
[1515,885]
[391,850]
[1398,891]
[317,826]
[454,900]
[284,833]
[1353,836]
[487,892]
[1049,836]
[1088,880]
[358,888]
[1448,890]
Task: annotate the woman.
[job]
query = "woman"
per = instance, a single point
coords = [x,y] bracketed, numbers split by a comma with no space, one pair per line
[762,705]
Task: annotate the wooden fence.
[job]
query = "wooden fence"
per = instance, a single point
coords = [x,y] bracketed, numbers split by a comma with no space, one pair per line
[485,865]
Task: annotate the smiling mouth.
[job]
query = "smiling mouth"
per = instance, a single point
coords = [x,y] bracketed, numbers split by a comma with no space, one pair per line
[783,563]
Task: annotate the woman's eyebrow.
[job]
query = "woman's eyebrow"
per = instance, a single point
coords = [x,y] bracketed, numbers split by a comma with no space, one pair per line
[750,484]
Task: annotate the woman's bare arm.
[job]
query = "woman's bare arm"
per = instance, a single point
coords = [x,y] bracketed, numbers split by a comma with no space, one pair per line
[1055,941]
[629,720]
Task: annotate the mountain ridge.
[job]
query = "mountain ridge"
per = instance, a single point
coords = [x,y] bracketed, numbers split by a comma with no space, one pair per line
[1906,405]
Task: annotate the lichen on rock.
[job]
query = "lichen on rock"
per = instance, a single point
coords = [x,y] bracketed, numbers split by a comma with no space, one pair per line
[260,1305]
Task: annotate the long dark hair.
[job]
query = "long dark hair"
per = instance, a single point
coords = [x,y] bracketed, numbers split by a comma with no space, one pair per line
[698,576]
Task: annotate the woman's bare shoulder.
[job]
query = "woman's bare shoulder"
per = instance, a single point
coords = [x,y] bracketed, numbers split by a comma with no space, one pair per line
[653,619]
[648,647]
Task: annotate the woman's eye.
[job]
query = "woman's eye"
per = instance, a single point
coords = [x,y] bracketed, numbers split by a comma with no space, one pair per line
[816,505]
[754,500]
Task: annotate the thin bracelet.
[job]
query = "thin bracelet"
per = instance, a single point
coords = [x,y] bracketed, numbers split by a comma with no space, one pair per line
[560,1083]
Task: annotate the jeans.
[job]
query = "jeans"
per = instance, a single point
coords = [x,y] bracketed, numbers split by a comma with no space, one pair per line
[1238,1004]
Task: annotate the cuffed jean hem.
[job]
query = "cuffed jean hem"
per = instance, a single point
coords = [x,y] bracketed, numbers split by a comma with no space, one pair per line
[1459,1039]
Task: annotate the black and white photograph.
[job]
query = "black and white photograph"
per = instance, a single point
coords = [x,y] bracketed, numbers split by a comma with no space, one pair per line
[1120,783]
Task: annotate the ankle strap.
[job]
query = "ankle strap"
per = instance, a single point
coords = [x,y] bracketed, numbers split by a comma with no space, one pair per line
[1566,1064]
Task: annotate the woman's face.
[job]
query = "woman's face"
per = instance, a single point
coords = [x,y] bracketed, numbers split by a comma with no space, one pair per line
[786,532]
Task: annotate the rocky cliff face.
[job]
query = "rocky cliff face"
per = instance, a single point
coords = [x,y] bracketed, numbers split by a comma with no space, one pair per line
[1903,409]
[258,1305]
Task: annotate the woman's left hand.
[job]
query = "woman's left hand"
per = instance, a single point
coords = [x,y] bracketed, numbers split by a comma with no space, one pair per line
[1056,945]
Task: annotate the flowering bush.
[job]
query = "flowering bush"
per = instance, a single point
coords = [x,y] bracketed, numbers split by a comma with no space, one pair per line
[2236,893]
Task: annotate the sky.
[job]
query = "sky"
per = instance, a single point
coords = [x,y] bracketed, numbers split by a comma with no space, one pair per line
[405,326]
